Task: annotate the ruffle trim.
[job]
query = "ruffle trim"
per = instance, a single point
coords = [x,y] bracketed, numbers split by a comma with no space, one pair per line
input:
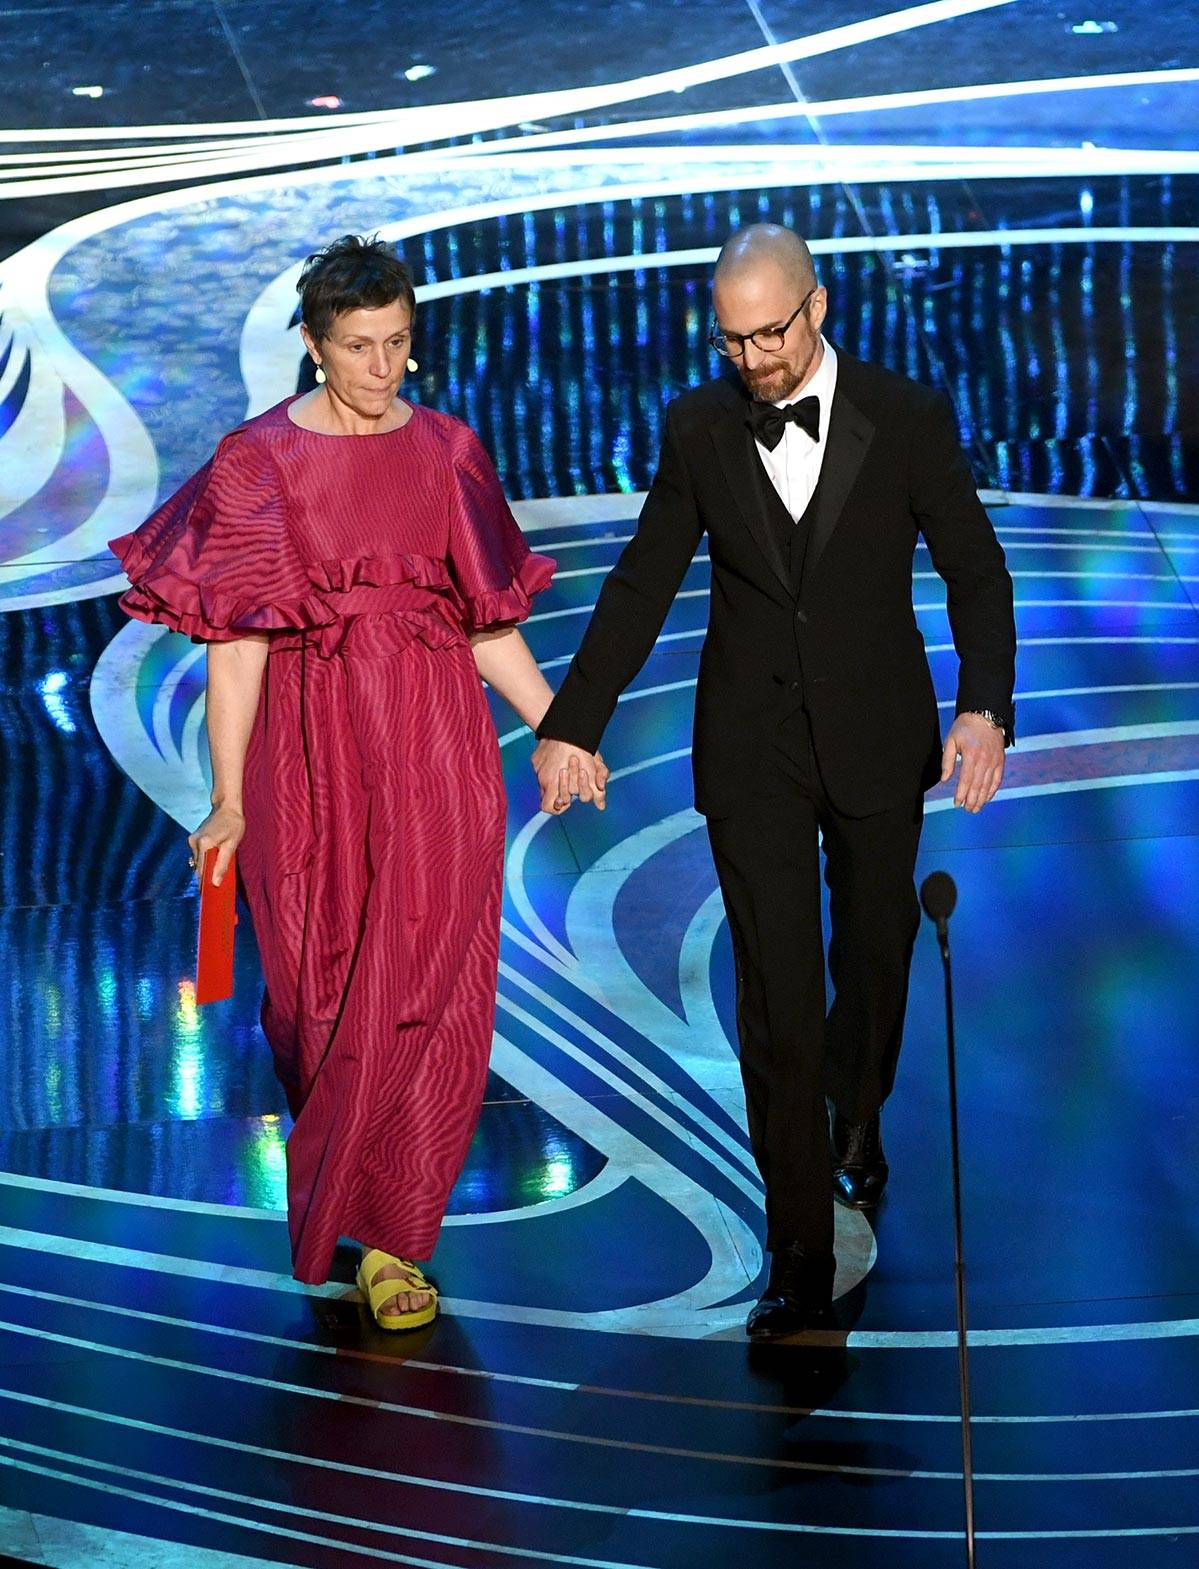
[335,576]
[206,613]
[201,611]
[505,606]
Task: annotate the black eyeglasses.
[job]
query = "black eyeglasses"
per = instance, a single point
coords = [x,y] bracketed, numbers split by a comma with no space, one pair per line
[768,339]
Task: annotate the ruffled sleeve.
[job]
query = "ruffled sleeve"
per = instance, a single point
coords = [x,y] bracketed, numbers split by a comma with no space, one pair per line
[495,573]
[216,561]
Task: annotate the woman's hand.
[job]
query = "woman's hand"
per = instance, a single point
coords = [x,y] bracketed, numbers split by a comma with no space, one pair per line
[565,771]
[222,829]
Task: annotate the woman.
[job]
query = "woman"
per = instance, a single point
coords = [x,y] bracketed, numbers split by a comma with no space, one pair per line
[353,566]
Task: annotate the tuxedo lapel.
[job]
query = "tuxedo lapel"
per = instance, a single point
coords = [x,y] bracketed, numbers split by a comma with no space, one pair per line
[849,436]
[744,474]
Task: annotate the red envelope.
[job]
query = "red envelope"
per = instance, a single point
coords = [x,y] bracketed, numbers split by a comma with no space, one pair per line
[218,917]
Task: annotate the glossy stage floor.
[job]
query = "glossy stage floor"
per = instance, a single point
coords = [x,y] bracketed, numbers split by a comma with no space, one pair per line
[1004,199]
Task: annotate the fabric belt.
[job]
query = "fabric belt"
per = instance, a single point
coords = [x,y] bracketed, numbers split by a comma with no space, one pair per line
[367,599]
[433,609]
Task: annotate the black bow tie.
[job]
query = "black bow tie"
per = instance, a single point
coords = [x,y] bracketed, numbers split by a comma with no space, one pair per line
[769,423]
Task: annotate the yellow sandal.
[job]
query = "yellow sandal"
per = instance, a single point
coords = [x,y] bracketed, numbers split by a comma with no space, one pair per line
[373,1261]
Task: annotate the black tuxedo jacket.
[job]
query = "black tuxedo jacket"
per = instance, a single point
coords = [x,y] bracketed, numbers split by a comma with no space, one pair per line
[841,636]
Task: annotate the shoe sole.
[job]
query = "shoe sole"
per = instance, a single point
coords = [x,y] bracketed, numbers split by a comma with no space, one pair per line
[860,1205]
[396,1323]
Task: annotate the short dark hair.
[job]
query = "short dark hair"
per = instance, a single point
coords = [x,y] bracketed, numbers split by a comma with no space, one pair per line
[354,273]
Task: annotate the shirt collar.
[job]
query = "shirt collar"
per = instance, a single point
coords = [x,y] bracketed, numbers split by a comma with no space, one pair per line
[821,384]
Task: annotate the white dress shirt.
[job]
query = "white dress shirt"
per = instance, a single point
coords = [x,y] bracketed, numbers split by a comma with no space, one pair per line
[794,465]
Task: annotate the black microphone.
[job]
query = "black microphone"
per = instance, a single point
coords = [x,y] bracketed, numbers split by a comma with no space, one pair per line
[939,895]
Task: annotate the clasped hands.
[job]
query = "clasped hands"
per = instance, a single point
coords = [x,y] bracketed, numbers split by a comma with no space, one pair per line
[565,771]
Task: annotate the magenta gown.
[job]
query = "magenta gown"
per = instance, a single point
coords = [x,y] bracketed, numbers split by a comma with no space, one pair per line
[372,861]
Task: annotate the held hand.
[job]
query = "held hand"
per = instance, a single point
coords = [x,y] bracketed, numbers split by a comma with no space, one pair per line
[979,744]
[223,829]
[564,771]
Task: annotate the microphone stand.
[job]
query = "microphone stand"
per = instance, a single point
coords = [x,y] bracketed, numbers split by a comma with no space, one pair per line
[959,1265]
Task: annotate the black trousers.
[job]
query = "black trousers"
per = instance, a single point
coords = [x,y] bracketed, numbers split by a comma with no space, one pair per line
[793,1054]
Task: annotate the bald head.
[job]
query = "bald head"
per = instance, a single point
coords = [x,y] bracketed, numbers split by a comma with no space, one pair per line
[766,247]
[765,284]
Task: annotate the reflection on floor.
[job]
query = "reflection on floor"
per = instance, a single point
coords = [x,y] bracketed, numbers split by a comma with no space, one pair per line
[167,1393]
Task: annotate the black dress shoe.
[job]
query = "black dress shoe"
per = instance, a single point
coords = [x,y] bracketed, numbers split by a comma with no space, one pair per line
[859,1166]
[798,1295]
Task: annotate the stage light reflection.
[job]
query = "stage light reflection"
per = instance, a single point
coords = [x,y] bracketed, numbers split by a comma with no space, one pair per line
[106,990]
[52,687]
[557,1177]
[264,1163]
[185,1097]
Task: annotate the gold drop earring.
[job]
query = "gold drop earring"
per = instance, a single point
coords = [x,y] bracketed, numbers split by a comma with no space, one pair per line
[320,373]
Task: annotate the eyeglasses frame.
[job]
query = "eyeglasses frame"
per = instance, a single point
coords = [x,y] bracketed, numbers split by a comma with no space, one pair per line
[752,337]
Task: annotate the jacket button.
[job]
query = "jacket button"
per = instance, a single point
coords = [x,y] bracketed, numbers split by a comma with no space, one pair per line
[795,686]
[802,615]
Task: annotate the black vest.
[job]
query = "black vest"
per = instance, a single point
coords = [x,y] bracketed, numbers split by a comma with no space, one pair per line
[792,536]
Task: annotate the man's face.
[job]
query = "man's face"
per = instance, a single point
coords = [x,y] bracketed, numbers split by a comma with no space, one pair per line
[762,296]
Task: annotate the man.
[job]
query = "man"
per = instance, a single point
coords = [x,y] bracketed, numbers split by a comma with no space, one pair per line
[815,714]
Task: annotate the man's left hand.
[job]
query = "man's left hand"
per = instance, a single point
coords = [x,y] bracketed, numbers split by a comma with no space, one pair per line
[979,744]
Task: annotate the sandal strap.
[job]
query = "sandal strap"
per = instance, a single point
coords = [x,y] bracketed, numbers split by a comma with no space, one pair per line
[379,1291]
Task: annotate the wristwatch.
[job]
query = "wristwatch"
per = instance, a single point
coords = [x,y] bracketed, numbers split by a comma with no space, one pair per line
[991,718]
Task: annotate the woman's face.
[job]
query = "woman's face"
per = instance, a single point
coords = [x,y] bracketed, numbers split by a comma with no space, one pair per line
[365,355]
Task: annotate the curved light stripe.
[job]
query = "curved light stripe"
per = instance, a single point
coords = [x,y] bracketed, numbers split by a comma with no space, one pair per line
[725,1234]
[746,1178]
[603,1182]
[1093,691]
[424,1563]
[578,511]
[862,162]
[890,1472]
[550,950]
[1060,642]
[431,122]
[343,135]
[1151,547]
[291,1507]
[1069,786]
[833,1413]
[133,463]
[828,1468]
[1081,540]
[539,617]
[510,736]
[522,106]
[276,1529]
[631,1447]
[844,245]
[1183,605]
[833,108]
[918,1340]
